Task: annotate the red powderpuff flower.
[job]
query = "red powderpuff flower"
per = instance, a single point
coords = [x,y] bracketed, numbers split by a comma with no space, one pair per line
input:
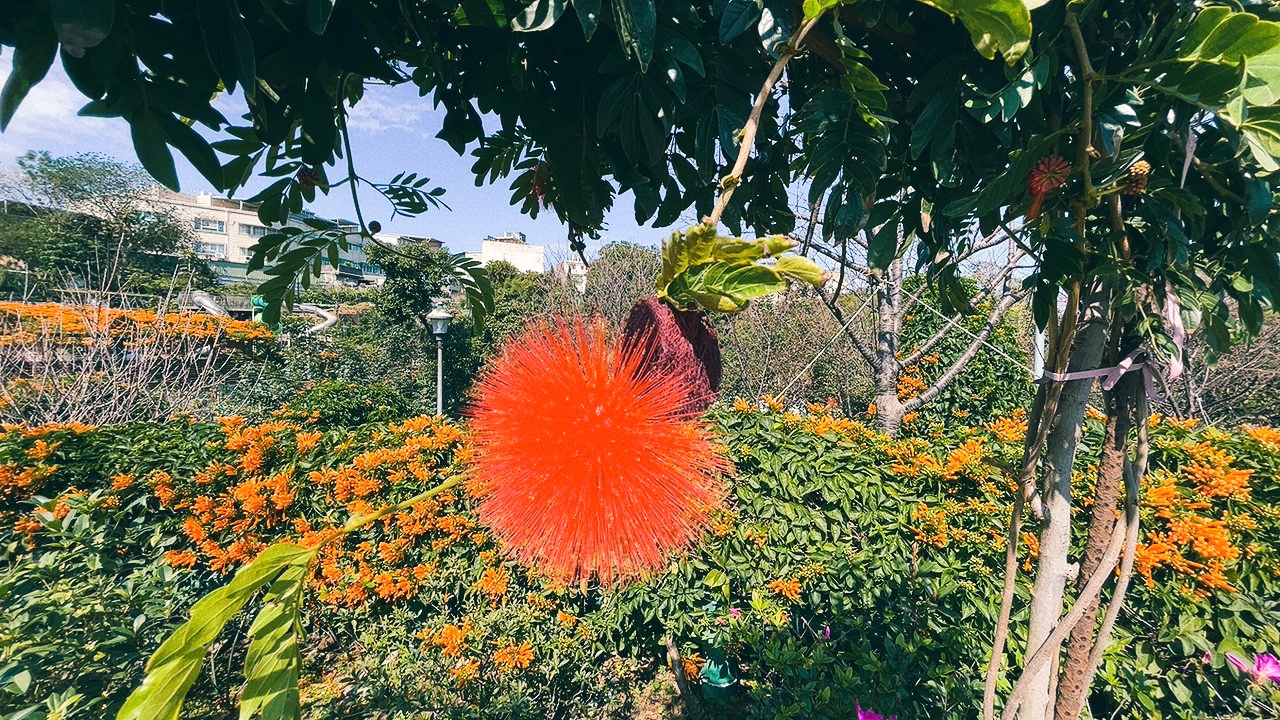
[589,462]
[1050,173]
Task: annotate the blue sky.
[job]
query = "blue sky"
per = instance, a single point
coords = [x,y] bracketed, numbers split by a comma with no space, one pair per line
[392,130]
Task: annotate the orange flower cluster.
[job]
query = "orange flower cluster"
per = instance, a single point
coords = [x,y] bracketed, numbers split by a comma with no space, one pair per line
[967,460]
[1187,542]
[453,638]
[510,656]
[1210,469]
[1267,437]
[789,589]
[910,384]
[931,526]
[1009,429]
[26,322]
[911,458]
[19,483]
[692,666]
[493,582]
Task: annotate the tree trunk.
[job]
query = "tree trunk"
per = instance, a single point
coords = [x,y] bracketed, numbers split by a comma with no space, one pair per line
[1053,568]
[1074,684]
[889,410]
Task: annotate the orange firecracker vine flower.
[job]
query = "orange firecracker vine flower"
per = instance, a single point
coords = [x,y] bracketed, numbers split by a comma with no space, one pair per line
[590,465]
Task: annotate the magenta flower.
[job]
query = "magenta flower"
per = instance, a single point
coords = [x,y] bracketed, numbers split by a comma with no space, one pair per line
[1266,668]
[735,612]
[870,714]
[1208,657]
[826,634]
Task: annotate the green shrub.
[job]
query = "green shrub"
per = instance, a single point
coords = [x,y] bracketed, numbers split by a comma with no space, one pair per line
[846,568]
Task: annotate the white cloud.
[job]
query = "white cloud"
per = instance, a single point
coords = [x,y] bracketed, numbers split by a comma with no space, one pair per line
[384,109]
[47,120]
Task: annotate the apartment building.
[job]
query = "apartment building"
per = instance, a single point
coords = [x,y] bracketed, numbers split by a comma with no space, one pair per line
[514,248]
[226,231]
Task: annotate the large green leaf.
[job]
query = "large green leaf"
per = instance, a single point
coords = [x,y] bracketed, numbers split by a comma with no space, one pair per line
[149,140]
[588,12]
[637,23]
[228,44]
[1219,34]
[1002,26]
[33,55]
[176,664]
[1261,130]
[82,24]
[274,662]
[724,274]
[539,15]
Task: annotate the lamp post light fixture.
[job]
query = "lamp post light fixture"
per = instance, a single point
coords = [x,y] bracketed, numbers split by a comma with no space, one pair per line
[439,319]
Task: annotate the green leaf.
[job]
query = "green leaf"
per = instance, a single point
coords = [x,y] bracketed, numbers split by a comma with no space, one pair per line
[194,147]
[228,44]
[82,24]
[1002,26]
[738,17]
[637,23]
[318,14]
[814,8]
[33,55]
[153,151]
[273,662]
[174,667]
[588,16]
[1218,34]
[800,269]
[1262,134]
[475,282]
[539,15]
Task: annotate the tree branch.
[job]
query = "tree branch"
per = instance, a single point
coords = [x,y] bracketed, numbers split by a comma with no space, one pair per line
[937,337]
[731,181]
[963,361]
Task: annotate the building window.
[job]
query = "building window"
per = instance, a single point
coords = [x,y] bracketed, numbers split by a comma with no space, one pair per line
[252,230]
[214,250]
[246,254]
[207,225]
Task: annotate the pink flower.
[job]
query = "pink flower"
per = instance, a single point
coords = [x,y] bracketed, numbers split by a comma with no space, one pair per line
[1237,662]
[735,612]
[1208,657]
[870,714]
[1266,667]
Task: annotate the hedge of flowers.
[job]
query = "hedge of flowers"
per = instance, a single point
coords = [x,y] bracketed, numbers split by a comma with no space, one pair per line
[27,323]
[847,570]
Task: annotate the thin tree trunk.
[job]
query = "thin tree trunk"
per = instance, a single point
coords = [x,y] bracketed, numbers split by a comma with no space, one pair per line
[1074,684]
[889,409]
[1053,568]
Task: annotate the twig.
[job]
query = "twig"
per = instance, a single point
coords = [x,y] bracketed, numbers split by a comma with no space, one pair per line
[731,181]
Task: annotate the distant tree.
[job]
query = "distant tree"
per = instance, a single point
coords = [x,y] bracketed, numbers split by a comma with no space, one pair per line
[622,274]
[85,219]
[418,278]
[791,345]
[1236,387]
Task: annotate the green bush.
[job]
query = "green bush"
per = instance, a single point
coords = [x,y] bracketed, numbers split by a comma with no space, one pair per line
[846,568]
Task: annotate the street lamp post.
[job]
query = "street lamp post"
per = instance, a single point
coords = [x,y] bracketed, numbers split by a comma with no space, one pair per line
[439,319]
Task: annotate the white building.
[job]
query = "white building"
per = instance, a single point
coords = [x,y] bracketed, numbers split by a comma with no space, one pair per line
[402,240]
[511,247]
[226,231]
[573,271]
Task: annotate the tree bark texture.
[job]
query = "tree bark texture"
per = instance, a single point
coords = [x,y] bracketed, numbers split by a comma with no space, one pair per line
[1053,568]
[1074,683]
